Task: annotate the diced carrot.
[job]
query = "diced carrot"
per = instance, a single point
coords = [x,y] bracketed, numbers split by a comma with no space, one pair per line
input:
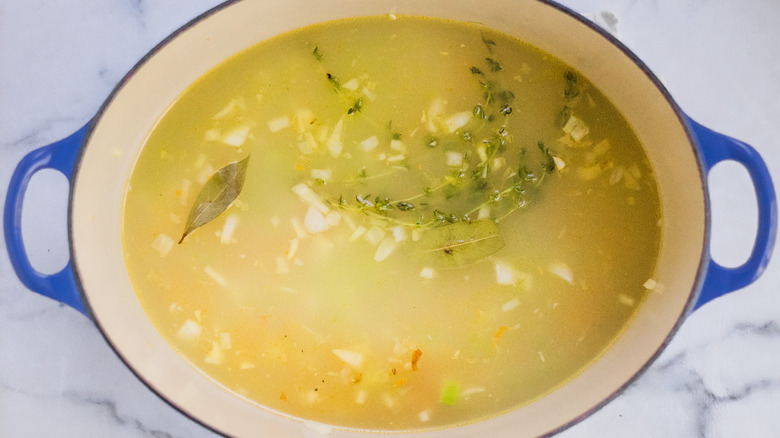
[416,358]
[497,335]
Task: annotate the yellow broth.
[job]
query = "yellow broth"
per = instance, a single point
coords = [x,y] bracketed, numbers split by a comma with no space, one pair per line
[377,146]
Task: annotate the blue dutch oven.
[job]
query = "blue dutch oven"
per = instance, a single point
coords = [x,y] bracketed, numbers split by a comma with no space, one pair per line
[98,158]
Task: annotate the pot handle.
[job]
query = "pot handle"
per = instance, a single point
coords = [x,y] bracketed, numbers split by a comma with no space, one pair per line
[61,156]
[715,147]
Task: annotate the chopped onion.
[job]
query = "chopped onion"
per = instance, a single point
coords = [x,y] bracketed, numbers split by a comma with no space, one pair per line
[315,221]
[228,229]
[458,120]
[236,137]
[427,273]
[370,143]
[334,143]
[279,123]
[215,276]
[351,84]
[386,247]
[563,271]
[163,244]
[189,331]
[351,358]
[454,159]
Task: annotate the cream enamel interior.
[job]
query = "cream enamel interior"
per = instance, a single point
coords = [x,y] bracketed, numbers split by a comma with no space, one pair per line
[141,99]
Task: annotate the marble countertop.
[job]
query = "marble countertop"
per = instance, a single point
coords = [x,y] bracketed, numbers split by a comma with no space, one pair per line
[720,377]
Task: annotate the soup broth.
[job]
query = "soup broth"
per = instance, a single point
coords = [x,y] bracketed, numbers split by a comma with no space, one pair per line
[391,223]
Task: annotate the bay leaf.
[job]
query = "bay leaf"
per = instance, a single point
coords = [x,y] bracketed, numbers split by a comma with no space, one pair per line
[217,195]
[460,244]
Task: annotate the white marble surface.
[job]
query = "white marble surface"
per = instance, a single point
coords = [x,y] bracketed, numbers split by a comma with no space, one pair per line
[59,60]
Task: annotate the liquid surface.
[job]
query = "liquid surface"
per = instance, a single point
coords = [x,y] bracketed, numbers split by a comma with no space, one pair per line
[437,224]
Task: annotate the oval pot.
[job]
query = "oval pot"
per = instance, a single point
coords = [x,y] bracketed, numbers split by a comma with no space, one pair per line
[99,159]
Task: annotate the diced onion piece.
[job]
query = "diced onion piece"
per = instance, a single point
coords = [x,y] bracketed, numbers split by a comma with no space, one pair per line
[510,305]
[563,271]
[504,273]
[214,356]
[602,147]
[163,244]
[359,231]
[224,341]
[616,175]
[204,174]
[304,118]
[417,234]
[334,143]
[507,275]
[246,366]
[236,137]
[559,163]
[650,284]
[333,218]
[211,272]
[482,152]
[427,272]
[375,235]
[630,181]
[397,145]
[424,416]
[453,159]
[351,358]
[434,114]
[370,143]
[311,397]
[395,158]
[189,331]
[369,94]
[232,105]
[385,248]
[589,172]
[211,135]
[361,396]
[315,221]
[457,121]
[293,248]
[351,84]
[308,144]
[400,233]
[626,300]
[576,128]
[228,229]
[484,212]
[309,196]
[279,123]
[324,175]
[275,221]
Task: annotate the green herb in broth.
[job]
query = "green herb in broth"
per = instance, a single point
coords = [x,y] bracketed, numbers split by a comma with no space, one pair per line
[422,244]
[460,244]
[217,195]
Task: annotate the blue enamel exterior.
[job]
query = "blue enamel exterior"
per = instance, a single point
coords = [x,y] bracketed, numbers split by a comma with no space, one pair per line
[61,156]
[714,148]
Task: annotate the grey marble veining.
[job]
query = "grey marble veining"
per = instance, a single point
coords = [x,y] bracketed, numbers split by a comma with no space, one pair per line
[720,376]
